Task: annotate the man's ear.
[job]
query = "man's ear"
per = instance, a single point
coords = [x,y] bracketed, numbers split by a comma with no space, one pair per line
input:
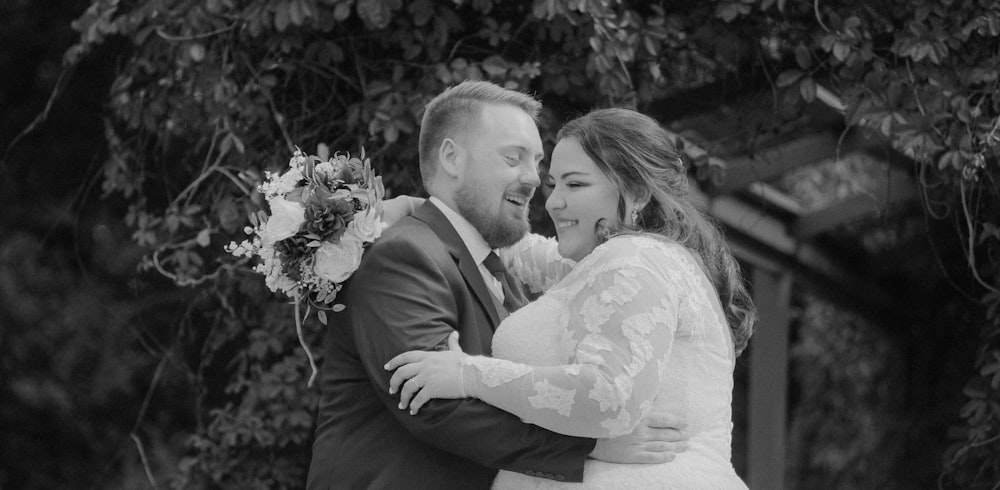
[451,157]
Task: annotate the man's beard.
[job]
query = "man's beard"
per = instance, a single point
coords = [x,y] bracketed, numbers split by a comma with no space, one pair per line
[497,228]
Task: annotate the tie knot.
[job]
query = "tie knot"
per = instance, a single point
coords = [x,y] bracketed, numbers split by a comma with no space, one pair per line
[494,264]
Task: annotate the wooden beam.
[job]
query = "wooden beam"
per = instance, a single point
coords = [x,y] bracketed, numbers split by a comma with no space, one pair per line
[853,208]
[768,386]
[772,162]
[762,240]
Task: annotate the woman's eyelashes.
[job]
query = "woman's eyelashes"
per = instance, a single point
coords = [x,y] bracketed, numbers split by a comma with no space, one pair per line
[551,184]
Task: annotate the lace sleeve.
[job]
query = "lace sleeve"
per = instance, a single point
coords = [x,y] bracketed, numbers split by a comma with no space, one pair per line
[535,261]
[622,321]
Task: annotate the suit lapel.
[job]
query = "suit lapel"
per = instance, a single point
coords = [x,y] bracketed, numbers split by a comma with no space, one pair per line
[436,220]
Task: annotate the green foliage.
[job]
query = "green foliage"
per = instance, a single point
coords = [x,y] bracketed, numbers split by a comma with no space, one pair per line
[214,93]
[848,427]
[922,74]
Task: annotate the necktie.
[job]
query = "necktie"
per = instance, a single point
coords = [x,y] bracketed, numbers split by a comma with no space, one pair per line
[513,299]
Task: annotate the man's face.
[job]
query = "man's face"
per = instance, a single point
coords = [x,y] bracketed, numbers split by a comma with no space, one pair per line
[502,151]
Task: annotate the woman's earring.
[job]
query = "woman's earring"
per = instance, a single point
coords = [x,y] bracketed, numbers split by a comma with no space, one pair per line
[635,216]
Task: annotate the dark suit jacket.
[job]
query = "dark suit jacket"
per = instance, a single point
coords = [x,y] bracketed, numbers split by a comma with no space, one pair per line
[416,285]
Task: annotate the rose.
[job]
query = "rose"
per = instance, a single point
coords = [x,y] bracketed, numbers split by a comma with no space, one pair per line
[367,225]
[288,180]
[335,262]
[286,218]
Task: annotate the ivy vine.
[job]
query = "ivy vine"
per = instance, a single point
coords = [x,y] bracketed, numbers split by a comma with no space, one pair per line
[215,92]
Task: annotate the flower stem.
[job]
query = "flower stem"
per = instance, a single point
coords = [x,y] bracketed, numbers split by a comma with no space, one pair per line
[302,341]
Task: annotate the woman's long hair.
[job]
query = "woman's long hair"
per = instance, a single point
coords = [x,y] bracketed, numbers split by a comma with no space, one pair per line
[636,154]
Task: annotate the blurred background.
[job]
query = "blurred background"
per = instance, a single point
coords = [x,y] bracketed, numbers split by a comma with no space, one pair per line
[848,149]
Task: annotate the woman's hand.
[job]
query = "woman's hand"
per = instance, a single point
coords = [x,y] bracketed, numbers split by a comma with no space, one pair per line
[428,375]
[398,208]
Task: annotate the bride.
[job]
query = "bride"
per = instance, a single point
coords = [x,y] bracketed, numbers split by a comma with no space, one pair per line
[646,309]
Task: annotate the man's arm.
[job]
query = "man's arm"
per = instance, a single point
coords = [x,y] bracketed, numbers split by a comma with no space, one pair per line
[402,301]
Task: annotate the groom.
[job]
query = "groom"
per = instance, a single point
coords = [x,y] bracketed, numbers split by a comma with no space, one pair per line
[424,279]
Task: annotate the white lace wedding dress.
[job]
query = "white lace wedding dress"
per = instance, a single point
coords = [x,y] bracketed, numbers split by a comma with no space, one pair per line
[636,325]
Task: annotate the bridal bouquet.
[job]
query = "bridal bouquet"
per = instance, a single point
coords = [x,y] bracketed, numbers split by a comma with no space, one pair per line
[322,215]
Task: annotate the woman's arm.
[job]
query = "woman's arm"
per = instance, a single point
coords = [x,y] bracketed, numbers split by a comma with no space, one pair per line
[623,323]
[398,208]
[535,261]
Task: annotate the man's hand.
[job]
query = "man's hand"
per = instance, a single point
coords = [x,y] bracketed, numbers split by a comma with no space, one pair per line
[658,438]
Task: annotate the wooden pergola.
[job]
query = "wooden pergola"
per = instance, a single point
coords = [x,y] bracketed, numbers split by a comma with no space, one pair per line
[787,245]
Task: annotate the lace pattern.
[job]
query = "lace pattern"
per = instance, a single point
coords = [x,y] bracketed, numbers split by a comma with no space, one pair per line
[535,261]
[618,297]
[494,372]
[552,397]
[635,326]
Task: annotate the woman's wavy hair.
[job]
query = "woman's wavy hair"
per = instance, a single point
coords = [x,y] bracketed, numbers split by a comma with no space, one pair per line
[636,154]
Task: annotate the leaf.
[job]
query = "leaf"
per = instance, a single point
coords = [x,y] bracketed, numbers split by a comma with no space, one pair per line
[841,50]
[857,111]
[268,80]
[807,88]
[376,14]
[281,16]
[226,145]
[295,12]
[654,70]
[990,230]
[422,11]
[204,238]
[173,222]
[342,11]
[729,11]
[886,125]
[322,316]
[650,45]
[196,52]
[391,133]
[338,308]
[376,88]
[992,370]
[803,57]
[789,77]
[495,66]
[238,143]
[412,51]
[595,44]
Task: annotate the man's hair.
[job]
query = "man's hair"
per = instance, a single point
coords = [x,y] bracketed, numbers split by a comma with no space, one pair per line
[457,108]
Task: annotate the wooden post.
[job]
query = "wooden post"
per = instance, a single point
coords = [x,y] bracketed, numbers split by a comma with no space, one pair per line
[768,386]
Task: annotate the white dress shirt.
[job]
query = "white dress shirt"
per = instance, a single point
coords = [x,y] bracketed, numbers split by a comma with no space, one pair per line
[475,242]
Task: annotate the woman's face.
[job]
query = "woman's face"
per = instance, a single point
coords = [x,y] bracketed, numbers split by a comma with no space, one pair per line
[580,196]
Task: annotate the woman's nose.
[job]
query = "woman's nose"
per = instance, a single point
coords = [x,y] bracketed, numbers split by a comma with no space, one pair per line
[555,201]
